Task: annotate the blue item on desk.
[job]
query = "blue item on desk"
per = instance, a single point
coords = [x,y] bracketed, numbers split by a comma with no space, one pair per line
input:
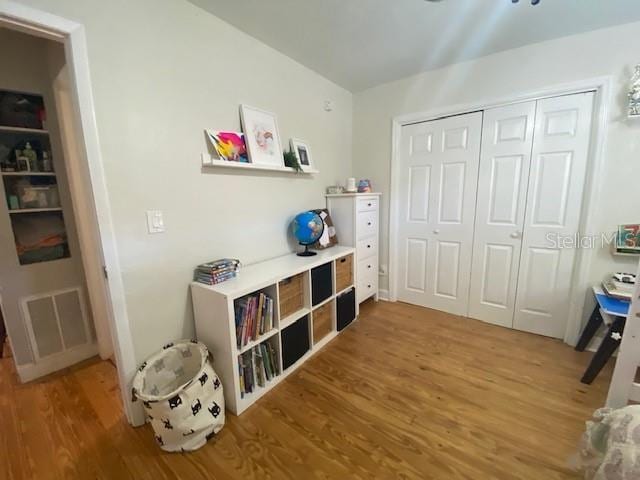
[613,306]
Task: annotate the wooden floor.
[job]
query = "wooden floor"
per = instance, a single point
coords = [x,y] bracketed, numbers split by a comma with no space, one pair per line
[405,392]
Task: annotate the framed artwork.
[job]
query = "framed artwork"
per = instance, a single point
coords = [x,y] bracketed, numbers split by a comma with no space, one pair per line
[261,136]
[229,146]
[628,239]
[303,154]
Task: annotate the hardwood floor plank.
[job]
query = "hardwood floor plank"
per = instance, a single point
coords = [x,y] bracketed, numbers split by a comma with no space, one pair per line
[406,392]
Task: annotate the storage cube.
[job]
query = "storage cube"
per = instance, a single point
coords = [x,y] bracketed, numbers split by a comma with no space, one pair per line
[291,295]
[321,283]
[344,272]
[346,309]
[322,321]
[295,342]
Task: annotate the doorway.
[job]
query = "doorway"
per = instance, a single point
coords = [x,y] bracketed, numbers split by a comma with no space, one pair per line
[44,290]
[87,186]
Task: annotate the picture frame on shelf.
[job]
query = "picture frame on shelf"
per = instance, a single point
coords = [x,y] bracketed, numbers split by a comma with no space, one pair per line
[261,136]
[303,154]
[230,146]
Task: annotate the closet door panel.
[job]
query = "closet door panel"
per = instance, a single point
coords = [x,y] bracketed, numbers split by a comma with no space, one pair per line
[554,203]
[507,139]
[438,172]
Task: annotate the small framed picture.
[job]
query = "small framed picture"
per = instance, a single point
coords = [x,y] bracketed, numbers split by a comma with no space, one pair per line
[261,136]
[230,146]
[303,154]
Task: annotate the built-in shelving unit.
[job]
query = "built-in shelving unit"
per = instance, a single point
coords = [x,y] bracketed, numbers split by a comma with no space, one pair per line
[309,312]
[29,182]
[212,163]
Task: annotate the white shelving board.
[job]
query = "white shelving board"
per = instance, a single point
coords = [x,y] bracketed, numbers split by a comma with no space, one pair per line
[28,174]
[35,210]
[212,163]
[215,316]
[33,131]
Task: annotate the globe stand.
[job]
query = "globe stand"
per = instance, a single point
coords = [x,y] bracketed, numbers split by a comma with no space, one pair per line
[307,252]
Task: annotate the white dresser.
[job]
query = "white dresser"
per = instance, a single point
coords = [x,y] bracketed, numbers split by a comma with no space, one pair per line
[356,217]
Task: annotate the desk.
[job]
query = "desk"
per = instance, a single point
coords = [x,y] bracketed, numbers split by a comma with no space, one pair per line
[613,313]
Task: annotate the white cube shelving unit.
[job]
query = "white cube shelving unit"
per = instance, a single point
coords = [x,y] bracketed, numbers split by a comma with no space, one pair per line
[215,314]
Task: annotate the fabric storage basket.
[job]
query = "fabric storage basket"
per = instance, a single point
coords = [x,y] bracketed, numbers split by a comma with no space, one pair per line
[182,396]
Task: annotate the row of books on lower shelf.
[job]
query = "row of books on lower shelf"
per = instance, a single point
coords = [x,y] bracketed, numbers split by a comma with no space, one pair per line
[257,367]
[254,317]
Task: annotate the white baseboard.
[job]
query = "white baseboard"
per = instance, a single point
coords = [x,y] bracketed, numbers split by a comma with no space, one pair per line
[383,295]
[58,361]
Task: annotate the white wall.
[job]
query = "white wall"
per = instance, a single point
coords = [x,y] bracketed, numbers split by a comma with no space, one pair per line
[604,52]
[163,71]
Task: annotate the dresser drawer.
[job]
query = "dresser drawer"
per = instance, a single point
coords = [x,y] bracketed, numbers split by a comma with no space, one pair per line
[367,286]
[367,247]
[367,224]
[367,204]
[367,267]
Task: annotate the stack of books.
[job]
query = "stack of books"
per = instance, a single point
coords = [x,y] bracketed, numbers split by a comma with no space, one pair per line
[620,286]
[218,271]
[257,367]
[254,317]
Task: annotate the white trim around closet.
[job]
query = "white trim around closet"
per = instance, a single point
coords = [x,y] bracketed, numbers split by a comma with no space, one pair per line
[580,281]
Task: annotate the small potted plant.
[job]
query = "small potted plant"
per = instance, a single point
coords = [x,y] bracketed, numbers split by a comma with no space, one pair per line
[291,160]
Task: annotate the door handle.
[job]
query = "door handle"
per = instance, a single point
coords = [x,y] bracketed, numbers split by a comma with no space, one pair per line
[516,234]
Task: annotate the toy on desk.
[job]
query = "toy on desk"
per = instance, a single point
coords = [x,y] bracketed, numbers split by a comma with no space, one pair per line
[619,285]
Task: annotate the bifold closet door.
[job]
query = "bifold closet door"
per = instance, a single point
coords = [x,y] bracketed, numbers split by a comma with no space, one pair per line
[554,203]
[438,173]
[505,159]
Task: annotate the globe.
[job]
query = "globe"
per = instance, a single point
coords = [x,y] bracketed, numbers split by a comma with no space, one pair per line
[307,228]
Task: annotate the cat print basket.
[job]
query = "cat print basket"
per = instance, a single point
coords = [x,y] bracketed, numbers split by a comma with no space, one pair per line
[182,396]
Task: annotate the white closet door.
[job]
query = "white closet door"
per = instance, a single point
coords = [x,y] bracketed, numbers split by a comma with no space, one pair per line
[507,137]
[438,180]
[554,200]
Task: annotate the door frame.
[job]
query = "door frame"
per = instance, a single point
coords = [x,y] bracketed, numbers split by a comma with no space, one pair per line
[590,198]
[101,247]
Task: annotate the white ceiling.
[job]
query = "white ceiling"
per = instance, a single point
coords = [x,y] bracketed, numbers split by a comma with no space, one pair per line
[362,43]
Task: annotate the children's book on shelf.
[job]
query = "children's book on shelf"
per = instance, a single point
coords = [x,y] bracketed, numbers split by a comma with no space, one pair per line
[256,367]
[217,271]
[254,317]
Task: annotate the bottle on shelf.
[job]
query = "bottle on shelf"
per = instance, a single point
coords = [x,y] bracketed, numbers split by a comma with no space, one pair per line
[47,166]
[32,157]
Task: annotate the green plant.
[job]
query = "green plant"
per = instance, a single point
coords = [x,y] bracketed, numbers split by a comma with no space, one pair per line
[290,160]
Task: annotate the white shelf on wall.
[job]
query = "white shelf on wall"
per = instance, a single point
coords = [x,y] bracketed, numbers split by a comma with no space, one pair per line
[35,210]
[253,166]
[37,131]
[28,174]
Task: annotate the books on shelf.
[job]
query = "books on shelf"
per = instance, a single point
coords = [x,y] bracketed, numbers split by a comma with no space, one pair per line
[257,367]
[254,317]
[218,271]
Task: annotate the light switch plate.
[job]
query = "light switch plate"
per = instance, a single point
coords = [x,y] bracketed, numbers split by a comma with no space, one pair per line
[155,221]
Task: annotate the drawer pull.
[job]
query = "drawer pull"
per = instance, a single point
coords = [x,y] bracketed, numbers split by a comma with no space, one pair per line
[368,266]
[368,246]
[369,224]
[369,286]
[342,260]
[369,204]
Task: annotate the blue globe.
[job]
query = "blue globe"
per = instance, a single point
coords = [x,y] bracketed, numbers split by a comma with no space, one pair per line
[307,228]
